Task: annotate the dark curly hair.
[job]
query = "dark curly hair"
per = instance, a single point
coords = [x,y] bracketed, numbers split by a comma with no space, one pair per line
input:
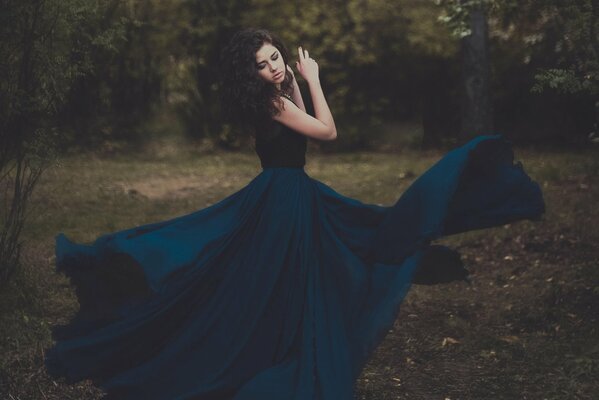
[248,101]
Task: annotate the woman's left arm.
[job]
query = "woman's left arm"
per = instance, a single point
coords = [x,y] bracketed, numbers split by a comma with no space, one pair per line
[297,94]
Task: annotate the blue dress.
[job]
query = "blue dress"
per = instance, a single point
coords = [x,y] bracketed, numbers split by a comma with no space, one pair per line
[281,290]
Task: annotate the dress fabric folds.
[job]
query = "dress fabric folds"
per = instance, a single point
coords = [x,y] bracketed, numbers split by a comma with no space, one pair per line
[281,290]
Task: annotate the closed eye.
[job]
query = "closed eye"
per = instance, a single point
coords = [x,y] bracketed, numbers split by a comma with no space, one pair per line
[274,57]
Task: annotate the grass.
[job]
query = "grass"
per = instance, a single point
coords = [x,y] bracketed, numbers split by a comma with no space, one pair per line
[525,329]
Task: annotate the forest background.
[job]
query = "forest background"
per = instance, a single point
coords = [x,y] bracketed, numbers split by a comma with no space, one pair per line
[101,72]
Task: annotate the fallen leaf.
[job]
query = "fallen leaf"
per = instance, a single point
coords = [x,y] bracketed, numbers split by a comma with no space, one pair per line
[449,340]
[510,339]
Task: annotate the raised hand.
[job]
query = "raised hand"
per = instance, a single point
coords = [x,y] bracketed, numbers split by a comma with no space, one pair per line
[306,66]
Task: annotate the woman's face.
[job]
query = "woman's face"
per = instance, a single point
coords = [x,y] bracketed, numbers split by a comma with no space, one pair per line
[270,64]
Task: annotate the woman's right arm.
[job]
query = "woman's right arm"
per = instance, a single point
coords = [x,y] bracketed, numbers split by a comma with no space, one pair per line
[323,126]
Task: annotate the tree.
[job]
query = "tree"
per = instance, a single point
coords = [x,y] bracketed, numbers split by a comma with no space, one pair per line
[127,48]
[468,20]
[207,25]
[373,57]
[575,68]
[36,74]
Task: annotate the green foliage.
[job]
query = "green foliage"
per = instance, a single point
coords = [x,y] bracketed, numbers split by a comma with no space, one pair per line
[204,29]
[126,59]
[365,49]
[126,46]
[35,68]
[562,34]
[112,65]
[565,81]
[576,53]
[542,54]
[456,13]
[33,81]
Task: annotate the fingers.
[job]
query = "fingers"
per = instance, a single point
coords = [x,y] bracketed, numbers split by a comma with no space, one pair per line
[304,60]
[290,71]
[303,54]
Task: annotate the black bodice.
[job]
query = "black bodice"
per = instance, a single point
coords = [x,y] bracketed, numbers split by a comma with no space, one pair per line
[280,146]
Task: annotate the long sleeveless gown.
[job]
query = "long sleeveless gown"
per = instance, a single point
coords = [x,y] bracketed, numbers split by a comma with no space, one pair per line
[281,290]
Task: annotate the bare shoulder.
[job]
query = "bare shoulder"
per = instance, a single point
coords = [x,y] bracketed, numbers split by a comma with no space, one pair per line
[295,118]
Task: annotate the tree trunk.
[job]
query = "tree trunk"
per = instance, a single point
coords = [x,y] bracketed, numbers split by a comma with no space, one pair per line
[476,110]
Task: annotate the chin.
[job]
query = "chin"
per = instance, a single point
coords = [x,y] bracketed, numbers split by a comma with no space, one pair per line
[279,80]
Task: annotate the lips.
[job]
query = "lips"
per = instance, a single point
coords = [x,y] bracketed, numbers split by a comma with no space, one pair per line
[278,75]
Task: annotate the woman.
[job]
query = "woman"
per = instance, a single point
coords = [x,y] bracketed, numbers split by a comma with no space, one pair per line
[283,289]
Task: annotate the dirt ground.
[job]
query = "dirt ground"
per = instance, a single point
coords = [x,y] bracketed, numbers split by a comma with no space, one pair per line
[525,328]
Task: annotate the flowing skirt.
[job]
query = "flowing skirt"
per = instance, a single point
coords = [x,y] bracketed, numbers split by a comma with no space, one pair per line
[282,290]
